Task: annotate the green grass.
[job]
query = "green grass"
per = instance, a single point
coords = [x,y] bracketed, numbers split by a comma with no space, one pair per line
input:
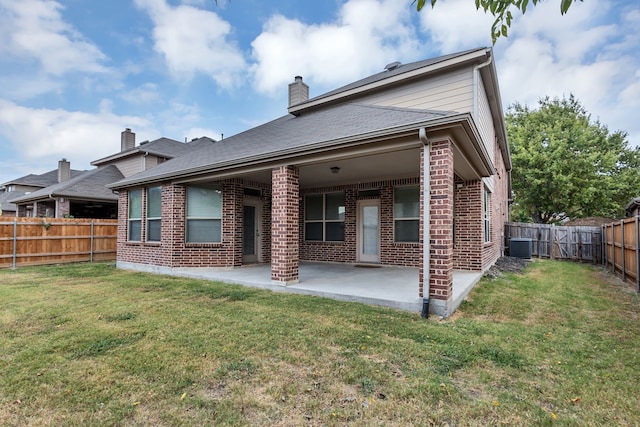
[87,344]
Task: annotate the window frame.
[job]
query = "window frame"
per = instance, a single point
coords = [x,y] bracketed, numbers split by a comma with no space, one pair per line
[486,214]
[134,219]
[396,218]
[150,219]
[189,219]
[324,221]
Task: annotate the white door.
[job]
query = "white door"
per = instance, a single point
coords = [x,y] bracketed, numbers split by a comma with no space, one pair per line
[369,230]
[251,232]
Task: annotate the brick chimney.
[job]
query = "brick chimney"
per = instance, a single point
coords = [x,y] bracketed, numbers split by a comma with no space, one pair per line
[127,139]
[64,170]
[298,92]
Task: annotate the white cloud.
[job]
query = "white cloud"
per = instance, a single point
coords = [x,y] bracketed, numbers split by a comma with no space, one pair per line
[46,134]
[194,41]
[147,93]
[456,25]
[366,35]
[35,30]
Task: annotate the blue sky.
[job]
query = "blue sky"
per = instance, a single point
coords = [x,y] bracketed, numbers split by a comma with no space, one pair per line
[75,73]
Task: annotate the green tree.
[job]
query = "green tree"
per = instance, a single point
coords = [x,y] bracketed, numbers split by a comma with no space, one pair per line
[566,166]
[501,10]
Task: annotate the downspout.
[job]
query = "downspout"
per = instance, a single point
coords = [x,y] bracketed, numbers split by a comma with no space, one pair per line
[426,229]
[475,85]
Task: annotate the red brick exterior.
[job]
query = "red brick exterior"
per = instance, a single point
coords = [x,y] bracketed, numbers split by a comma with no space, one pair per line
[172,250]
[391,253]
[471,252]
[285,208]
[440,220]
[455,208]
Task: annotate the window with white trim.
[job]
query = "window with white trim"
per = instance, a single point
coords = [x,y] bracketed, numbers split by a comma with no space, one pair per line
[135,216]
[324,217]
[154,207]
[486,202]
[406,214]
[204,215]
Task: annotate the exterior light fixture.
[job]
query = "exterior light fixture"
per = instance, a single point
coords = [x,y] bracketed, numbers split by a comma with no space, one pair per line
[335,169]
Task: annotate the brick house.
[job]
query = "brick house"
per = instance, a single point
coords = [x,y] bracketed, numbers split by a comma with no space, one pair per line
[408,167]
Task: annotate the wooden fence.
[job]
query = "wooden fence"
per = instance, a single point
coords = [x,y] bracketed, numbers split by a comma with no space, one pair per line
[578,243]
[36,241]
[622,249]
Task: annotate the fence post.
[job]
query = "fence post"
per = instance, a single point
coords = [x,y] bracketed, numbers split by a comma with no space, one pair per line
[624,267]
[613,247]
[552,238]
[15,242]
[91,248]
[637,256]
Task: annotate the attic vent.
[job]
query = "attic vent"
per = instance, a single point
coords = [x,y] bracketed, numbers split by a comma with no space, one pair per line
[392,66]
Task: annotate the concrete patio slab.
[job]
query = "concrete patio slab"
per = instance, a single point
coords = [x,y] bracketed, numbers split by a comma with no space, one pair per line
[395,287]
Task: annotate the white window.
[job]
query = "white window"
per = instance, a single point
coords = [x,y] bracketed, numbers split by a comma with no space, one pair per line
[204,215]
[154,206]
[135,215]
[324,217]
[486,202]
[406,214]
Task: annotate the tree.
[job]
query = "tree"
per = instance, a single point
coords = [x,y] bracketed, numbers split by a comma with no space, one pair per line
[566,166]
[501,10]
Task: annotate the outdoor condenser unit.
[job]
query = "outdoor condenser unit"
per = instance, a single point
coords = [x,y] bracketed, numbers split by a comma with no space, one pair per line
[520,248]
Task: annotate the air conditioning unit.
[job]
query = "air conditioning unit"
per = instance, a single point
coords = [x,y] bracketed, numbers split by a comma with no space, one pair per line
[520,248]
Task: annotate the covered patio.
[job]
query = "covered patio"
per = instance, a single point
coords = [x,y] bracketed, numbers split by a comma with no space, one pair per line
[394,287]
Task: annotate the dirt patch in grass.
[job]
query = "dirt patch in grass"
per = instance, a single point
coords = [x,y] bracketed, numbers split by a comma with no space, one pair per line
[507,264]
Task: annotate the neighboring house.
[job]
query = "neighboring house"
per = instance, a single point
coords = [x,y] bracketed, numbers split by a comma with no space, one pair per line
[85,195]
[27,184]
[408,167]
[633,207]
[133,159]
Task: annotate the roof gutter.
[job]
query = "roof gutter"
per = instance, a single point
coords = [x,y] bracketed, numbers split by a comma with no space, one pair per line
[475,84]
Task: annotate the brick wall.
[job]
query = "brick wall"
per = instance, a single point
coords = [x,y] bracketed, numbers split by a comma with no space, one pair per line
[441,220]
[469,225]
[285,249]
[391,253]
[499,211]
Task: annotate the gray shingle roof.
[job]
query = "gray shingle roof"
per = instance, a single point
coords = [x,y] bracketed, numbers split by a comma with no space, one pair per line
[5,197]
[162,147]
[90,185]
[288,134]
[43,180]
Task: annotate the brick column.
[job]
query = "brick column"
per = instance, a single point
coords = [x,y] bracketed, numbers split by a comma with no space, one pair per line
[285,249]
[441,226]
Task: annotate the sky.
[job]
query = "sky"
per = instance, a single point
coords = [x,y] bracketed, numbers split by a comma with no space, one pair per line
[76,73]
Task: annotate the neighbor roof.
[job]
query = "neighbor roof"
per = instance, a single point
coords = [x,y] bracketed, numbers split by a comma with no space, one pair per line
[90,185]
[288,134]
[5,205]
[162,147]
[43,180]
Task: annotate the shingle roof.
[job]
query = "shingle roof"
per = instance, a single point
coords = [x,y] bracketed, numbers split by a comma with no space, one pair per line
[5,197]
[43,180]
[288,134]
[162,147]
[90,185]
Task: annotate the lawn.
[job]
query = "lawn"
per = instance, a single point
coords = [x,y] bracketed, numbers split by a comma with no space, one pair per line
[87,344]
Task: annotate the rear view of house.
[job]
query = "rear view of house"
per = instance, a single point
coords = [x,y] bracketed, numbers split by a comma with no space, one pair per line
[408,167]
